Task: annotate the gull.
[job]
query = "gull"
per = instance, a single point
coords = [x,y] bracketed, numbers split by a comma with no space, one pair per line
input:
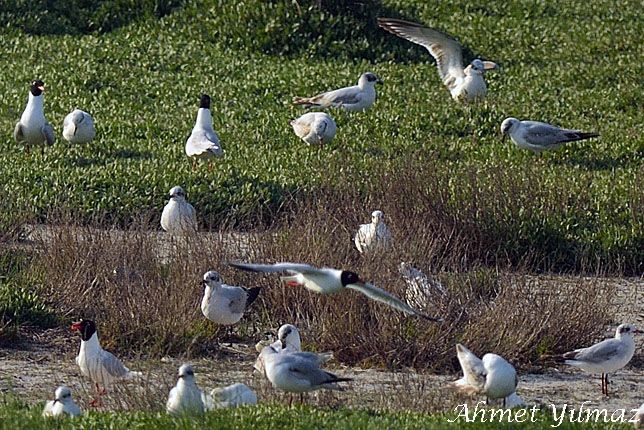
[421,289]
[315,128]
[297,372]
[225,304]
[465,84]
[178,215]
[288,339]
[606,356]
[539,136]
[185,397]
[203,141]
[78,127]
[329,281]
[63,404]
[33,128]
[100,366]
[232,396]
[639,417]
[493,376]
[357,98]
[373,236]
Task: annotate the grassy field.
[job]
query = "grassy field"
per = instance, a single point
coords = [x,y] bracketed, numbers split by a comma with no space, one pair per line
[576,65]
[462,204]
[15,416]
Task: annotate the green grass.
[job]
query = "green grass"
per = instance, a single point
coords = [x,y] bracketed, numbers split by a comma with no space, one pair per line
[20,303]
[576,65]
[15,416]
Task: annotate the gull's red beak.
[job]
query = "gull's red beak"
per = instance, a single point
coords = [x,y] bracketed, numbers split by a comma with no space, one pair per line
[76,326]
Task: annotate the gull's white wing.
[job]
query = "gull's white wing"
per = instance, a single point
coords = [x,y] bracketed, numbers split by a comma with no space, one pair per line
[276,268]
[446,50]
[383,296]
[542,134]
[473,370]
[200,143]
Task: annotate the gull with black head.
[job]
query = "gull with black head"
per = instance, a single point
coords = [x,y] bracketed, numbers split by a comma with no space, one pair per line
[328,281]
[203,141]
[100,366]
[33,128]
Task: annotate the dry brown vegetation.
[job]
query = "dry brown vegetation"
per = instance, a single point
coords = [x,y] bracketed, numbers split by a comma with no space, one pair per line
[143,287]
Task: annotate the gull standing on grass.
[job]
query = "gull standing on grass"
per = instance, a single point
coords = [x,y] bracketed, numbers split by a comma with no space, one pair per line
[493,376]
[78,127]
[540,136]
[464,84]
[33,128]
[100,366]
[178,215]
[606,356]
[357,98]
[297,372]
[315,128]
[63,404]
[329,281]
[203,141]
[185,397]
[373,236]
[225,304]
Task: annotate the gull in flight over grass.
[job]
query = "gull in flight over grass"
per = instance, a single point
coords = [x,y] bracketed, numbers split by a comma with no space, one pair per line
[63,404]
[288,339]
[357,98]
[203,141]
[373,236]
[225,304]
[178,215]
[33,128]
[315,128]
[493,376]
[465,84]
[328,281]
[232,396]
[606,356]
[100,366]
[421,290]
[540,136]
[185,397]
[297,372]
[78,127]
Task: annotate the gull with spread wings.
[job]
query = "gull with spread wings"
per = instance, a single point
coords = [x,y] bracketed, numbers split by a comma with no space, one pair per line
[465,84]
[327,281]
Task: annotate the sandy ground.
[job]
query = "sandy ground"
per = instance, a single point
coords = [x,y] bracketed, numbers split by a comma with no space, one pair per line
[43,360]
